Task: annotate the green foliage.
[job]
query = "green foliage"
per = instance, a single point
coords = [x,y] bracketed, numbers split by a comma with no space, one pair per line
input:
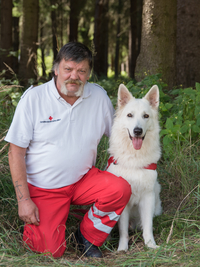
[9,90]
[111,85]
[183,122]
[139,89]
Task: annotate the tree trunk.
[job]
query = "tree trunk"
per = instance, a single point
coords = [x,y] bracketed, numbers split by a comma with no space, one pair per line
[158,46]
[139,24]
[6,35]
[29,39]
[188,42]
[54,29]
[61,23]
[73,23]
[75,8]
[42,47]
[132,38]
[117,48]
[15,43]
[101,38]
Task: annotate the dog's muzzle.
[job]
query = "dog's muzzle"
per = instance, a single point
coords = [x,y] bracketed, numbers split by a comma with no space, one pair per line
[137,133]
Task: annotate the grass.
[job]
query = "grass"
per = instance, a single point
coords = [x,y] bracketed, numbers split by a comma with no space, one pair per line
[177,230]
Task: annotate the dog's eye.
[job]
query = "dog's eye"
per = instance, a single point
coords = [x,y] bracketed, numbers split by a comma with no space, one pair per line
[129,115]
[146,116]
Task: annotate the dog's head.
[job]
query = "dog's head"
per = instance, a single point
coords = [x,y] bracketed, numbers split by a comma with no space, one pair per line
[138,115]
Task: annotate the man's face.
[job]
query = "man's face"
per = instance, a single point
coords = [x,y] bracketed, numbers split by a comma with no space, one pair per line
[72,76]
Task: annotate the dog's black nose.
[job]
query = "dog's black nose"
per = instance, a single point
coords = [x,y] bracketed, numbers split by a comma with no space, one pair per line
[137,131]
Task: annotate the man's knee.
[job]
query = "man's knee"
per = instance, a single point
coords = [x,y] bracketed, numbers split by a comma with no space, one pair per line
[118,189]
[123,190]
[41,243]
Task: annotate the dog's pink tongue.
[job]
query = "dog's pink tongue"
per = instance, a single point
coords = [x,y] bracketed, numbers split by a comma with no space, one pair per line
[137,142]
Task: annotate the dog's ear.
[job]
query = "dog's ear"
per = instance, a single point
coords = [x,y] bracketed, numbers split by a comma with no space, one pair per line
[153,96]
[124,96]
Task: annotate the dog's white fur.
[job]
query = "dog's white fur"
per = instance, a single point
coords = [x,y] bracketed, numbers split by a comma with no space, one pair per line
[145,202]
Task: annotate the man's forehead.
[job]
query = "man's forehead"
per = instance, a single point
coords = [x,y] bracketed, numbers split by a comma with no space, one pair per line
[73,64]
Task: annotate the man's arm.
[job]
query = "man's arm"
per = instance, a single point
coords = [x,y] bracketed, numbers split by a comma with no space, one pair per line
[27,209]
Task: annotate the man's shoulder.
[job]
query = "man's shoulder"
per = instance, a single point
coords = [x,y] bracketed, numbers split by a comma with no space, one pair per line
[36,90]
[97,89]
[97,86]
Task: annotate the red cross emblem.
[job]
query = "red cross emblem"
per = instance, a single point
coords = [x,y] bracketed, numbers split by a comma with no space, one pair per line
[50,118]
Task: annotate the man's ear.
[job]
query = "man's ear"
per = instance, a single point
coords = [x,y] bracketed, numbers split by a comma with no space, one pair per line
[88,77]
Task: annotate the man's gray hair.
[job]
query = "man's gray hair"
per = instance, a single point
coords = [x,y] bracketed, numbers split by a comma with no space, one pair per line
[73,51]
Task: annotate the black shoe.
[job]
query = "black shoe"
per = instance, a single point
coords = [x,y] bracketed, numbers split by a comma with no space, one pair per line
[86,247]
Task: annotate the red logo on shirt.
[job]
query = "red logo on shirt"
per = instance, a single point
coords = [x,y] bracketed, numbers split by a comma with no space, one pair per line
[50,118]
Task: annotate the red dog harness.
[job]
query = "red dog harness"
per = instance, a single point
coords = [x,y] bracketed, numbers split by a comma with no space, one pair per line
[152,166]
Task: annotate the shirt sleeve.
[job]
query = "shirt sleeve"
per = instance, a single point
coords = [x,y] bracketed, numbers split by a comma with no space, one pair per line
[21,129]
[109,117]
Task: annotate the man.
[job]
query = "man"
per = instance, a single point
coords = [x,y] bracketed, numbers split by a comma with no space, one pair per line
[53,146]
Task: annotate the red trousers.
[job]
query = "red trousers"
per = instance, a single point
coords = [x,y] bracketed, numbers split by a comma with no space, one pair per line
[108,194]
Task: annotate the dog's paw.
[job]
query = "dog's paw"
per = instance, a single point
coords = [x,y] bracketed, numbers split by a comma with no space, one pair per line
[122,247]
[123,243]
[152,245]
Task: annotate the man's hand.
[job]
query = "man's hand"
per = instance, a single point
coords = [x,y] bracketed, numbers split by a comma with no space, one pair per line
[28,212]
[27,209]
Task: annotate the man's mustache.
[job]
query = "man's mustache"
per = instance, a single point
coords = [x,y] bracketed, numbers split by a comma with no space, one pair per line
[79,82]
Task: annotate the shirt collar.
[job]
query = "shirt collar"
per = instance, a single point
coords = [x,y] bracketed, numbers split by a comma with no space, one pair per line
[54,89]
[86,91]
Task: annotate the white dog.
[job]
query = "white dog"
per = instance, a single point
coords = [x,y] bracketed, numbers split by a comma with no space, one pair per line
[135,149]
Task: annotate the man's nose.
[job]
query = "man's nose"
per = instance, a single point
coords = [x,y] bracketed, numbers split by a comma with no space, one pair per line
[74,75]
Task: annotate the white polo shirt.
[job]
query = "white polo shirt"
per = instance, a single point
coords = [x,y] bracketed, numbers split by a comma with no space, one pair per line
[61,139]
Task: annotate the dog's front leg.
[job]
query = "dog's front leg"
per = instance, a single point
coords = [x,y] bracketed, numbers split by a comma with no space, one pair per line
[147,208]
[123,225]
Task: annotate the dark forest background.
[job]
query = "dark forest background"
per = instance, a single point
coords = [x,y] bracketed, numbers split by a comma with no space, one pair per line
[131,36]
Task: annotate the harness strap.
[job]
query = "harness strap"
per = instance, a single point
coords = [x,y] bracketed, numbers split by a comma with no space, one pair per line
[152,166]
[110,161]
